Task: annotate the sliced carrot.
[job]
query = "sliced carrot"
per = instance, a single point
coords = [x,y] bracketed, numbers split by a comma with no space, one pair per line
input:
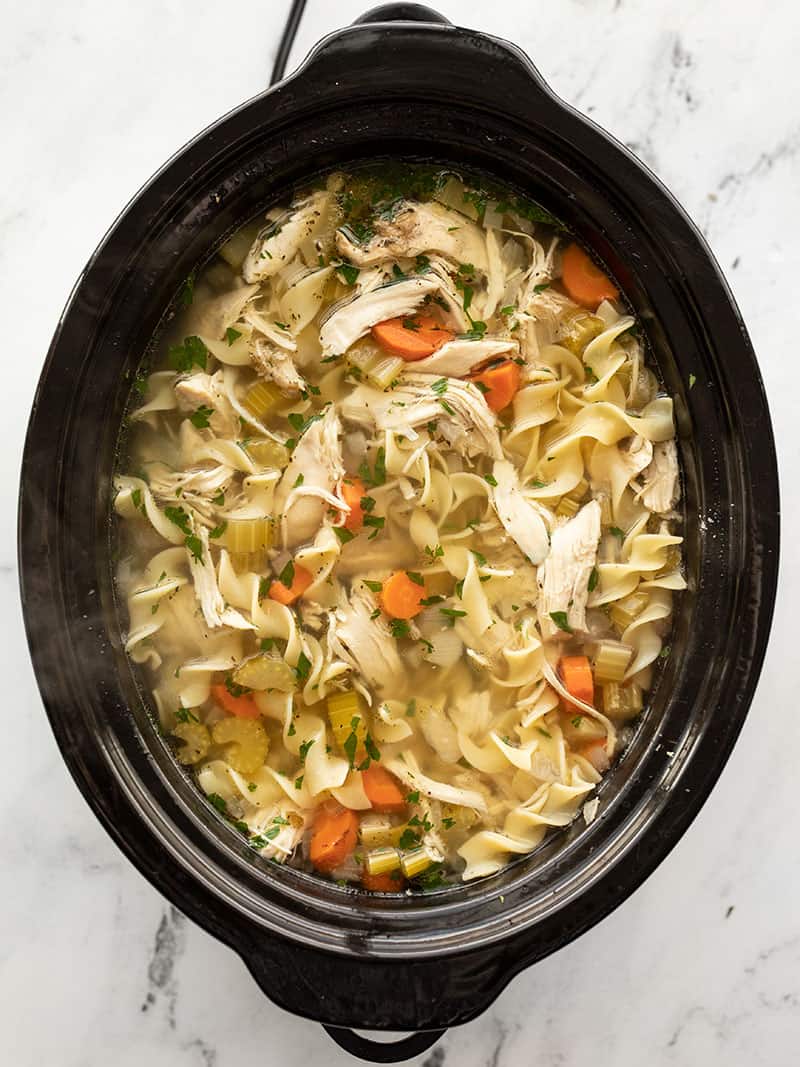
[500,384]
[576,674]
[390,882]
[353,492]
[333,838]
[301,581]
[583,279]
[242,706]
[382,789]
[412,337]
[401,596]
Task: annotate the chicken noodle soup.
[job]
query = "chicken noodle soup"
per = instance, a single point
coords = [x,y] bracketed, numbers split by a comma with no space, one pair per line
[400,537]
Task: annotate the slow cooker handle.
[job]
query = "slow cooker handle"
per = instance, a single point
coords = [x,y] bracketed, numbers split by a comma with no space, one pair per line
[402,13]
[384,1051]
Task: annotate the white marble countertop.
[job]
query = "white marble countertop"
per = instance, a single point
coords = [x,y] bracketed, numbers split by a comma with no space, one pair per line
[702,964]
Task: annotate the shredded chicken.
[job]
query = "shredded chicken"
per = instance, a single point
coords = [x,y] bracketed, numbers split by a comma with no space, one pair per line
[195,486]
[636,453]
[353,320]
[318,457]
[276,365]
[414,229]
[208,391]
[564,577]
[661,482]
[365,643]
[459,411]
[215,611]
[519,516]
[281,238]
[459,357]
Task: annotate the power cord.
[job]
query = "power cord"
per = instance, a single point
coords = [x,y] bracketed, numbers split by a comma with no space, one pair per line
[287,40]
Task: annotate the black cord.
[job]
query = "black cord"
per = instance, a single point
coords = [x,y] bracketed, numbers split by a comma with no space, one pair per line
[287,40]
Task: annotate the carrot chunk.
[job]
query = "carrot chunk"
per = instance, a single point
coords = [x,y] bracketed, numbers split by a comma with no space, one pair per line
[244,707]
[333,838]
[576,674]
[401,596]
[411,338]
[391,882]
[301,580]
[382,789]
[353,492]
[583,279]
[500,384]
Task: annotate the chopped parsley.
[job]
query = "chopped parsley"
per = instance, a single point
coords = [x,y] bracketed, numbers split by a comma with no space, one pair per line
[377,476]
[183,357]
[186,715]
[399,627]
[303,667]
[413,797]
[411,708]
[305,747]
[692,380]
[343,534]
[299,481]
[415,577]
[232,335]
[216,800]
[374,587]
[348,272]
[490,478]
[440,386]
[218,531]
[377,522]
[451,614]
[286,577]
[560,619]
[593,579]
[615,530]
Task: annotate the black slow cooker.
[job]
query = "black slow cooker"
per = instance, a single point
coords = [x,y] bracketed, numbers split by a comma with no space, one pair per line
[400,83]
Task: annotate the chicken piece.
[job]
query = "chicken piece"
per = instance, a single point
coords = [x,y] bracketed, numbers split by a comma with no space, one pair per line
[215,611]
[414,229]
[564,577]
[208,391]
[281,238]
[519,516]
[195,486]
[318,457]
[276,365]
[365,643]
[636,453]
[459,357]
[460,412]
[661,482]
[449,297]
[348,322]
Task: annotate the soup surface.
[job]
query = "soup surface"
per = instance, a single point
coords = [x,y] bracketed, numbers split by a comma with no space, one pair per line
[400,536]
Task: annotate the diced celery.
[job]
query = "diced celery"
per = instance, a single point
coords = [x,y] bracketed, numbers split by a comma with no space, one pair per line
[348,719]
[578,329]
[265,672]
[414,863]
[611,659]
[568,507]
[580,490]
[246,743]
[363,355]
[458,817]
[384,372]
[262,398]
[624,612]
[268,453]
[248,535]
[377,831]
[622,701]
[195,741]
[382,860]
[580,729]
